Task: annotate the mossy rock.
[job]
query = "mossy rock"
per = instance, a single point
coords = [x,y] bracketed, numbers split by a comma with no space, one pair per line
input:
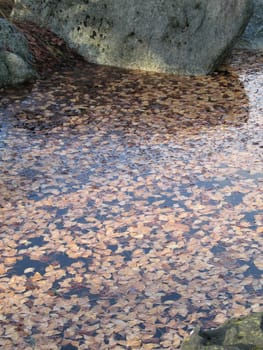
[12,40]
[245,333]
[15,56]
[14,70]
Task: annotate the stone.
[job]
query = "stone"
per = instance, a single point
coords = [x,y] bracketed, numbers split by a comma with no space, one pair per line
[15,57]
[11,39]
[170,36]
[253,35]
[245,333]
[4,75]
[14,69]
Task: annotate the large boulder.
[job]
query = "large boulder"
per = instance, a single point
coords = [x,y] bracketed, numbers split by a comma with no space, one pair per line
[15,57]
[245,333]
[253,35]
[172,36]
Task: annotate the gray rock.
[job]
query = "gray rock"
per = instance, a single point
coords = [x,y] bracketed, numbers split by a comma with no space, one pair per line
[4,74]
[15,57]
[13,40]
[172,36]
[14,69]
[253,36]
[245,333]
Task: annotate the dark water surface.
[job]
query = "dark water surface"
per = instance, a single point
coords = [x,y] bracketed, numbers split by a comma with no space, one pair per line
[131,206]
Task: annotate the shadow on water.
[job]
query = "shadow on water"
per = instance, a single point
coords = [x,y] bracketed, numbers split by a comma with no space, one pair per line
[130,102]
[132,113]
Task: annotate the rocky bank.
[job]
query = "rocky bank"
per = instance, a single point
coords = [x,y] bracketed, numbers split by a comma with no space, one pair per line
[172,36]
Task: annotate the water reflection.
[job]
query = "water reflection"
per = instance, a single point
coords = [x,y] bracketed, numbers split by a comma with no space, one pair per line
[131,207]
[131,101]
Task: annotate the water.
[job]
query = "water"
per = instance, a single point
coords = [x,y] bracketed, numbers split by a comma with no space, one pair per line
[131,206]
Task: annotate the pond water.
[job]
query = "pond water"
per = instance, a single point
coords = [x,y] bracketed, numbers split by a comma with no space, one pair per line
[131,206]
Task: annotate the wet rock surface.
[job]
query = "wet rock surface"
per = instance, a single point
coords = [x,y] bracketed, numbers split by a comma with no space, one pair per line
[239,334]
[185,37]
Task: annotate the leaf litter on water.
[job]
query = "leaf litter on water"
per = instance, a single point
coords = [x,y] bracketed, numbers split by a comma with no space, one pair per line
[131,206]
